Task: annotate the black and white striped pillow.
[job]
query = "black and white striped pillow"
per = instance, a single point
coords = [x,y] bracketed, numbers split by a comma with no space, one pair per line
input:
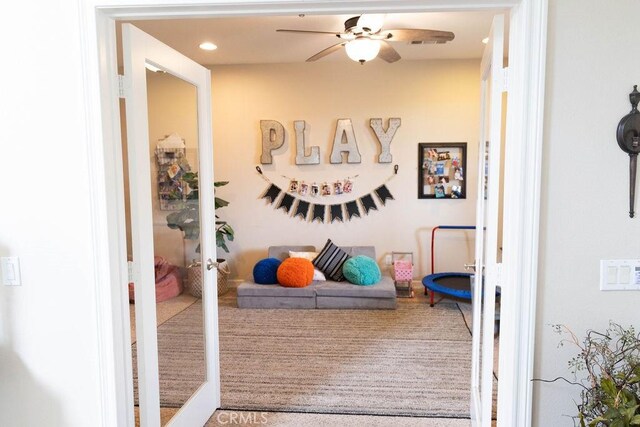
[330,261]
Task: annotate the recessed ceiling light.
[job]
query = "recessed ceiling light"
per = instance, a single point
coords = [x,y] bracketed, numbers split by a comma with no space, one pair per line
[485,40]
[208,46]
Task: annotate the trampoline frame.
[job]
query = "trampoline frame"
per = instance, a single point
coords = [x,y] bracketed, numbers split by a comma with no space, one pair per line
[429,281]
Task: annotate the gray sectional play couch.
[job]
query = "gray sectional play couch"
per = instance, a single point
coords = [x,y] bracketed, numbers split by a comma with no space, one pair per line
[327,294]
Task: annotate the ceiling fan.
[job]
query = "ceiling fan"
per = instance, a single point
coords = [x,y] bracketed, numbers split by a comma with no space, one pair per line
[364,39]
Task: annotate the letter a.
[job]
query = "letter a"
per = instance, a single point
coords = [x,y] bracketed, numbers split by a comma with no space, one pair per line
[345,141]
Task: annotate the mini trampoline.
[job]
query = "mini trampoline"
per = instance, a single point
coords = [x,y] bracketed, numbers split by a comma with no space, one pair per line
[453,284]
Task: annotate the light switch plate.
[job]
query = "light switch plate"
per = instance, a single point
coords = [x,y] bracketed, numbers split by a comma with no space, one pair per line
[620,275]
[10,267]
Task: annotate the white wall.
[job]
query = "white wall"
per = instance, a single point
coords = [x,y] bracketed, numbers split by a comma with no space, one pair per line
[593,63]
[438,101]
[48,329]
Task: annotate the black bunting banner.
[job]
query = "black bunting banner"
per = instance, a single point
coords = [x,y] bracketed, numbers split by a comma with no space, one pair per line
[368,204]
[286,202]
[383,193]
[318,213]
[325,213]
[336,213]
[352,209]
[302,209]
[272,193]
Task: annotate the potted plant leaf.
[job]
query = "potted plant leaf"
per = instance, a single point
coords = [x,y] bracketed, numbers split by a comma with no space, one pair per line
[187,220]
[610,393]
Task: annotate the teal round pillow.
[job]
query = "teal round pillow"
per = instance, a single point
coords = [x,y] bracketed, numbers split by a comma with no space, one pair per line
[361,270]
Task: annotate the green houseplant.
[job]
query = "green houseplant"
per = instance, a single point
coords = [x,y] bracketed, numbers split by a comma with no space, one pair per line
[610,393]
[187,220]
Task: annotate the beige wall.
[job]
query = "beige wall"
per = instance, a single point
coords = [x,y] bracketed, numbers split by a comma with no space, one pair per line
[438,101]
[592,65]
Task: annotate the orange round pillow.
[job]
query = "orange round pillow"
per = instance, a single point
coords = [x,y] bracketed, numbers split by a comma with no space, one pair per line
[295,273]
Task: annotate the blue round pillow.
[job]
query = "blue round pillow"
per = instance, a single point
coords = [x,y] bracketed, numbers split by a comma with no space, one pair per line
[361,270]
[265,271]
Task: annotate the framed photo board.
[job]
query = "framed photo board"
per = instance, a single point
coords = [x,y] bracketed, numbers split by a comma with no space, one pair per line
[442,169]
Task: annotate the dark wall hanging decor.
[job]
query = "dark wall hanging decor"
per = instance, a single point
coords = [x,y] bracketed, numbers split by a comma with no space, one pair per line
[628,136]
[442,169]
[291,203]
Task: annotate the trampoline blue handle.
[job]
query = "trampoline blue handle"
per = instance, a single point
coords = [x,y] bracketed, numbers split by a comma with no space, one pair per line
[457,227]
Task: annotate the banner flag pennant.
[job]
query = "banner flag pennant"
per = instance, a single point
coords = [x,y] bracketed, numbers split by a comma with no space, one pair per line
[368,204]
[272,193]
[383,194]
[318,213]
[302,209]
[336,213]
[286,202]
[352,209]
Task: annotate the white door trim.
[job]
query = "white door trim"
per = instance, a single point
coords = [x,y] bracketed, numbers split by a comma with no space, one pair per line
[524,125]
[523,161]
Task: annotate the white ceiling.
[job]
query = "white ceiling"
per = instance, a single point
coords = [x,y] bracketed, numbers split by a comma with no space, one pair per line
[254,40]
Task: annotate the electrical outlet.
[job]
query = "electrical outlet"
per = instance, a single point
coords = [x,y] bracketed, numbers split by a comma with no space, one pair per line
[387,259]
[620,275]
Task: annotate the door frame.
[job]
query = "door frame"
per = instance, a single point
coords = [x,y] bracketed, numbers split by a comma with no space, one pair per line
[526,83]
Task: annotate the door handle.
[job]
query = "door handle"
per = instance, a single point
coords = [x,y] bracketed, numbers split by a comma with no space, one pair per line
[470,267]
[211,264]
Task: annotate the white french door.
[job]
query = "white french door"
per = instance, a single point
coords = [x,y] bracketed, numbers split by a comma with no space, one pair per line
[487,262]
[141,50]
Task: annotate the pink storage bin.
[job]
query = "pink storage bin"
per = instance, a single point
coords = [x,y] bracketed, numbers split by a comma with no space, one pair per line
[402,270]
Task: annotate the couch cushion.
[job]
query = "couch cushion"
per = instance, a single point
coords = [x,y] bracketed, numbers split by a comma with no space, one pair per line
[369,251]
[253,289]
[282,252]
[263,302]
[353,303]
[383,289]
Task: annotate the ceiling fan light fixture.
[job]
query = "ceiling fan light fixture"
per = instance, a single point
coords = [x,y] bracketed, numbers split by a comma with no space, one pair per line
[372,21]
[362,49]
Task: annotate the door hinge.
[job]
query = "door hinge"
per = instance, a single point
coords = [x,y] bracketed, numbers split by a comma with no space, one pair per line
[121,92]
[505,79]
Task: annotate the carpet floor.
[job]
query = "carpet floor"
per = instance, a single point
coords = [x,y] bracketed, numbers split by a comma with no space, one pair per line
[413,361]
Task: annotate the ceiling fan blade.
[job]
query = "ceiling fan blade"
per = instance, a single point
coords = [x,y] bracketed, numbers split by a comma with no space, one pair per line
[418,35]
[333,33]
[388,53]
[325,52]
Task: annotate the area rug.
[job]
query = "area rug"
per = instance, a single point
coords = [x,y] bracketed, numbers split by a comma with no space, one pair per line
[413,361]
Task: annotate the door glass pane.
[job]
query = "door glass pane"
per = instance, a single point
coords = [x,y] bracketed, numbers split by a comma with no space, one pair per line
[173,145]
[173,151]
